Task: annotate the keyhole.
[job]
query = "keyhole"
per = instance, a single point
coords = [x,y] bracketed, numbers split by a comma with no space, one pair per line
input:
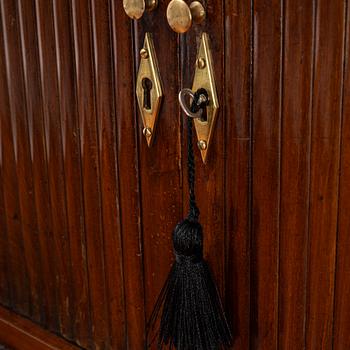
[147,87]
[204,116]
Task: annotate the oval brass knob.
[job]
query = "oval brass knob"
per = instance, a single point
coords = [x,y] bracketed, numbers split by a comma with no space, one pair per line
[136,8]
[180,16]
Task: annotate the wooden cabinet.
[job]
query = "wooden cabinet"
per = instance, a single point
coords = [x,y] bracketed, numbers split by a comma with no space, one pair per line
[87,209]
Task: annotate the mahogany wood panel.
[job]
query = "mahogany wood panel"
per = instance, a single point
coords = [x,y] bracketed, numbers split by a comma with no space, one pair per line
[31,66]
[87,209]
[89,146]
[11,30]
[20,333]
[325,165]
[266,164]
[106,122]
[238,143]
[342,302]
[23,158]
[295,156]
[49,79]
[5,297]
[71,155]
[18,282]
[128,173]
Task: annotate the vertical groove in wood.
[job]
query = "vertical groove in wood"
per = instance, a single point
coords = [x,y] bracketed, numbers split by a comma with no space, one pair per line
[325,164]
[19,282]
[341,319]
[56,171]
[314,25]
[5,277]
[34,105]
[252,277]
[17,100]
[129,177]
[237,169]
[266,172]
[84,70]
[80,309]
[104,80]
[297,82]
[341,312]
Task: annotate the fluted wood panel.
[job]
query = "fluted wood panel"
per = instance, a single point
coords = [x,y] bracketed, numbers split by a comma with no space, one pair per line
[87,209]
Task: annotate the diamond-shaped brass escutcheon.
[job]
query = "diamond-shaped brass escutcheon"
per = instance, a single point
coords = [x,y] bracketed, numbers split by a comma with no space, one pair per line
[149,89]
[204,78]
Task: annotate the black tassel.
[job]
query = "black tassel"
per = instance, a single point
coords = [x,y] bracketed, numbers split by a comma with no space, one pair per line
[192,314]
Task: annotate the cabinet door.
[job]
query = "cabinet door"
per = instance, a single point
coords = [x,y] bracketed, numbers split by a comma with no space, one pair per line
[87,209]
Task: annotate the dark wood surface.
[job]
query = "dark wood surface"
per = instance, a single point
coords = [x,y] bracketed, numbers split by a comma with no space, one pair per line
[327,102]
[19,333]
[295,154]
[265,167]
[342,286]
[87,209]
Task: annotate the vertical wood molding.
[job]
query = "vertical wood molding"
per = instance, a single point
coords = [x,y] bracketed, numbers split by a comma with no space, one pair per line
[55,162]
[341,334]
[107,138]
[325,165]
[62,18]
[238,143]
[266,162]
[34,104]
[89,146]
[19,283]
[129,177]
[298,31]
[17,70]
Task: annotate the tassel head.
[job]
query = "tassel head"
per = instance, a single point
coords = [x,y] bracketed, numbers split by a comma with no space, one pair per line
[188,241]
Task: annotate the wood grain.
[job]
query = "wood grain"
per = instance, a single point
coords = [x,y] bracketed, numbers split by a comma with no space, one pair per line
[21,142]
[237,114]
[80,307]
[89,145]
[20,333]
[105,113]
[30,59]
[55,162]
[341,335]
[295,156]
[18,283]
[5,290]
[325,162]
[128,174]
[266,153]
[87,209]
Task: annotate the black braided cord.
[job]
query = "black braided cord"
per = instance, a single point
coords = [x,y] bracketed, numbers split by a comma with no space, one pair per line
[191,167]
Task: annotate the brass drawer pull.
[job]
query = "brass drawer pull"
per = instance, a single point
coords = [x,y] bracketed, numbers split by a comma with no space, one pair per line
[181,16]
[136,8]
